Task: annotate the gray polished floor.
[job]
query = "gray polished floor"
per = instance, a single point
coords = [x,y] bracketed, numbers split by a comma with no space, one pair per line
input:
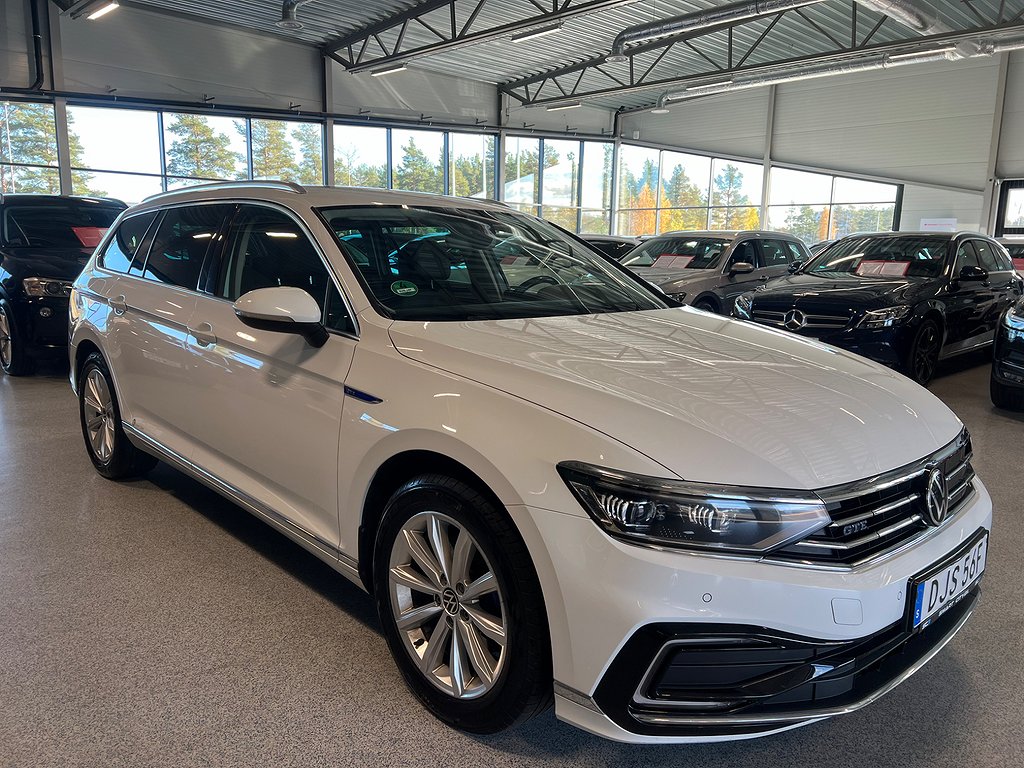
[153,624]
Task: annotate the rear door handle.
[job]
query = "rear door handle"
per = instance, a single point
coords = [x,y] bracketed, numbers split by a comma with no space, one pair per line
[203,334]
[119,304]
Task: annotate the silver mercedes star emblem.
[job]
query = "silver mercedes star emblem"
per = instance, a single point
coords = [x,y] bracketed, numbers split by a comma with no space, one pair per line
[795,320]
[936,499]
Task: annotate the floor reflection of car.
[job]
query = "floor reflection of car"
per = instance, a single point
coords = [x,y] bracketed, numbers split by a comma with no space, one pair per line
[710,269]
[615,247]
[1007,380]
[44,243]
[904,299]
[676,526]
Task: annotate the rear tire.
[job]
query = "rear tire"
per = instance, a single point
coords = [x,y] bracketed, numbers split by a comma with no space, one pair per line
[706,305]
[13,359]
[470,636]
[111,451]
[1006,397]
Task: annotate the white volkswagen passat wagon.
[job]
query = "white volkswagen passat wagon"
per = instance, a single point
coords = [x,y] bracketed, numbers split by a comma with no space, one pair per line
[678,526]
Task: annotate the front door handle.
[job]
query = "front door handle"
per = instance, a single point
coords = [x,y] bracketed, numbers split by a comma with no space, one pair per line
[203,334]
[119,304]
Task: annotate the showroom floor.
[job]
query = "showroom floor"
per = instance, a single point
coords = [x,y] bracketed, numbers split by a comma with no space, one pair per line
[153,624]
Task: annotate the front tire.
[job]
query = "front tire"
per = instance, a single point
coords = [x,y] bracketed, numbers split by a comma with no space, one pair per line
[461,606]
[1005,397]
[706,305]
[108,446]
[13,359]
[923,357]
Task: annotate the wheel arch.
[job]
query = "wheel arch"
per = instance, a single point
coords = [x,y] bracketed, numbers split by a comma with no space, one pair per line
[709,297]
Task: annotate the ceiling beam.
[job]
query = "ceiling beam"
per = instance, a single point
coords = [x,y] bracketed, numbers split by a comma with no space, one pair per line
[364,48]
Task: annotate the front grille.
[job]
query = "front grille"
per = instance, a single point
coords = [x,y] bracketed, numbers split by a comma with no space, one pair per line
[813,321]
[872,517]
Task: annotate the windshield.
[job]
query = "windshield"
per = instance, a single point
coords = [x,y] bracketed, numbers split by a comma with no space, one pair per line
[70,225]
[472,264]
[883,257]
[678,253]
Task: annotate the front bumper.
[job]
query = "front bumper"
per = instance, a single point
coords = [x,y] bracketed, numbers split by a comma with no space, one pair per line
[1008,357]
[623,603]
[43,322]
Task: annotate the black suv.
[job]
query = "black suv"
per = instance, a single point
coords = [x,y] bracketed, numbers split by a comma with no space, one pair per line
[905,299]
[45,241]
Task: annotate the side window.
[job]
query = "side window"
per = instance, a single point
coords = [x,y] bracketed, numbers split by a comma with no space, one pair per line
[776,253]
[745,251]
[181,242]
[266,249]
[796,253]
[126,241]
[965,256]
[987,256]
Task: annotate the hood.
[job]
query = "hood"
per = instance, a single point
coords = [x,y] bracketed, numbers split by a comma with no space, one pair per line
[850,292]
[711,399]
[58,263]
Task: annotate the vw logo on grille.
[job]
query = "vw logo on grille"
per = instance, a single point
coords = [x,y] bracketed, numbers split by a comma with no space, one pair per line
[936,497]
[795,320]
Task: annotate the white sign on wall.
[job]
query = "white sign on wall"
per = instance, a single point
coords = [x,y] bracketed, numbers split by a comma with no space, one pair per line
[938,225]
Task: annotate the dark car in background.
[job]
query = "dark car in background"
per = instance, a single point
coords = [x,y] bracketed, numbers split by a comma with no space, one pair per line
[906,300]
[1007,382]
[1015,247]
[708,270]
[615,247]
[45,240]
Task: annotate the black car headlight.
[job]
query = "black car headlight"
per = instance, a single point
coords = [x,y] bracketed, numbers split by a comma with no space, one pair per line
[1014,318]
[680,297]
[744,307]
[44,286]
[693,515]
[883,318]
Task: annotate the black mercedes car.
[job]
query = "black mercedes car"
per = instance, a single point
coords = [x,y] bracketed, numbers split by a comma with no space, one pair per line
[905,299]
[44,243]
[1007,383]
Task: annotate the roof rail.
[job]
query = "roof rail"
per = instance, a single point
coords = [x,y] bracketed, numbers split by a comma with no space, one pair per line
[286,186]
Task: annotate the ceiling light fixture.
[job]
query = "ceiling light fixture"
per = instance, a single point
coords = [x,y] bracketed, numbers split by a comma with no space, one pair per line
[660,111]
[111,6]
[388,70]
[570,105]
[929,54]
[530,34]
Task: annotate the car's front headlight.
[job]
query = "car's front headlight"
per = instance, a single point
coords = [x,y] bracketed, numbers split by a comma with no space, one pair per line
[883,318]
[745,307]
[44,286]
[680,297]
[694,516]
[1014,318]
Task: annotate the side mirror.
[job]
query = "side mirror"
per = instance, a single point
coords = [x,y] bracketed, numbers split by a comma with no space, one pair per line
[972,274]
[283,310]
[795,267]
[741,268]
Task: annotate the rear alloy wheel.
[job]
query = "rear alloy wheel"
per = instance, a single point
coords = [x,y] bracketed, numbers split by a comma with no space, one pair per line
[706,306]
[111,452]
[924,352]
[12,354]
[461,606]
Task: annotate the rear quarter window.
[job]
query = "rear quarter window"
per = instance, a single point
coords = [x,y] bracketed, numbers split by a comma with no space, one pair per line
[125,243]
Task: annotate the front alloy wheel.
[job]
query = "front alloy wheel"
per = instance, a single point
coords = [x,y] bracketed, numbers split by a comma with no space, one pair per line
[98,415]
[461,605]
[924,353]
[447,605]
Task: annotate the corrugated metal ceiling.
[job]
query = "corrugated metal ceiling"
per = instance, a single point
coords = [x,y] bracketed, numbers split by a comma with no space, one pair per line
[581,37]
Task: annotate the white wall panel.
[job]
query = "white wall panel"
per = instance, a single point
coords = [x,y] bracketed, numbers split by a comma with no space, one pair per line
[732,125]
[1011,147]
[15,38]
[155,56]
[931,203]
[922,123]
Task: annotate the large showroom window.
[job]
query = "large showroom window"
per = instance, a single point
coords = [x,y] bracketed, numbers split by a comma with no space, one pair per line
[201,147]
[817,206]
[28,148]
[522,175]
[120,153]
[471,165]
[596,186]
[417,161]
[286,150]
[360,156]
[662,191]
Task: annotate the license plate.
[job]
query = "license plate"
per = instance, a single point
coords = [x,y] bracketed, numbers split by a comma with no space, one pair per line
[947,583]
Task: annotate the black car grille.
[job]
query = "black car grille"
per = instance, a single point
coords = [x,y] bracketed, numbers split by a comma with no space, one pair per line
[813,322]
[873,517]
